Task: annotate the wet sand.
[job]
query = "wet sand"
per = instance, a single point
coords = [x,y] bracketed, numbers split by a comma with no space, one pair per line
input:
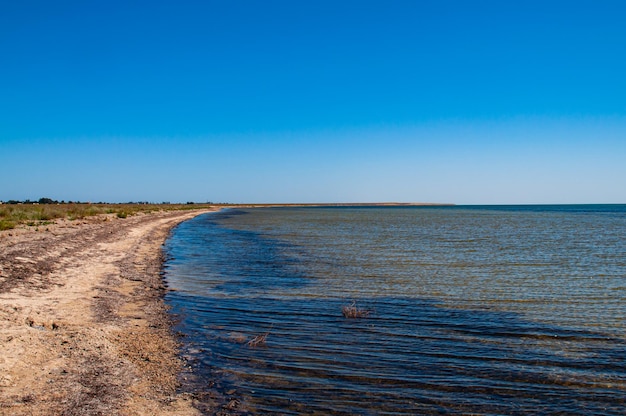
[83,326]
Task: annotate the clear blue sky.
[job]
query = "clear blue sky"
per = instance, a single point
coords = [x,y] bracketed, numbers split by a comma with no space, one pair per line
[314,101]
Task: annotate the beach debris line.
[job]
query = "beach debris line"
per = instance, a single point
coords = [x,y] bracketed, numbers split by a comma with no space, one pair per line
[352,311]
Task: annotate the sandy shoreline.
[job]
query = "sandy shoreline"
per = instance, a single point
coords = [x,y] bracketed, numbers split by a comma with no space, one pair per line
[83,326]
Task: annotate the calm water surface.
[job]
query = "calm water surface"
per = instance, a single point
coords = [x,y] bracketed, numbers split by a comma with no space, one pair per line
[472,310]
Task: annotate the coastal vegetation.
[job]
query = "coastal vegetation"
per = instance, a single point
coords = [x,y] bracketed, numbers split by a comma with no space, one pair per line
[45,210]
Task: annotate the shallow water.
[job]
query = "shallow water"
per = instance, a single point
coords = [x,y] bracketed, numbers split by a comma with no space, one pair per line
[483,310]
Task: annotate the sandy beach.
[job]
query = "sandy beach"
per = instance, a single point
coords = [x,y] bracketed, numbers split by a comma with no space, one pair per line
[83,326]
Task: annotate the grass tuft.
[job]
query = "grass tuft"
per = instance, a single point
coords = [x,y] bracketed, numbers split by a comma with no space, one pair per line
[7,224]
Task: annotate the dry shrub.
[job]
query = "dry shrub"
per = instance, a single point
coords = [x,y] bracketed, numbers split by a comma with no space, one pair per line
[352,311]
[258,340]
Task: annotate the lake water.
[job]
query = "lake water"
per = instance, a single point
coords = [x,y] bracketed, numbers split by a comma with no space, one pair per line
[469,310]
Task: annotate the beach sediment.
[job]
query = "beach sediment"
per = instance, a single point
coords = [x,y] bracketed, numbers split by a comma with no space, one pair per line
[83,326]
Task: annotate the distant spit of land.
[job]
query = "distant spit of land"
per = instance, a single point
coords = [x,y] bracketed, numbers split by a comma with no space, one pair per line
[45,211]
[346,204]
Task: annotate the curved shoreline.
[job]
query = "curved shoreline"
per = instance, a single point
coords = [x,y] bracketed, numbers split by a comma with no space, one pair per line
[84,328]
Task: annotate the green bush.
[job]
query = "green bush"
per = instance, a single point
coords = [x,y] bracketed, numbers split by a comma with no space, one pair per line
[7,224]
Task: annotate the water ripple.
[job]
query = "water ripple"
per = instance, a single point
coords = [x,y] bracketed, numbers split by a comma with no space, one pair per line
[475,311]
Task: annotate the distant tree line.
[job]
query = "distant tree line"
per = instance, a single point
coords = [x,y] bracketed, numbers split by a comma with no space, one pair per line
[40,201]
[43,201]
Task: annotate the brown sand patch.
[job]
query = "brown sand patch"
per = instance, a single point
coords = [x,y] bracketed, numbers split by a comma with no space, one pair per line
[83,327]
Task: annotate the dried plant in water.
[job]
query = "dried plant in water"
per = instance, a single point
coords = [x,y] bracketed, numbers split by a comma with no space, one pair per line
[353,311]
[258,340]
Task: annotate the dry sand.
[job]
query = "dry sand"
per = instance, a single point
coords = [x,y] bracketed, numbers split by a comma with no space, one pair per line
[83,326]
